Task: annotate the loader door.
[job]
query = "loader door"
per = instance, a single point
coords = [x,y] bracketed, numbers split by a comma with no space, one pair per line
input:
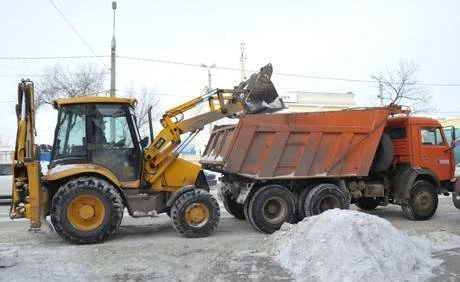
[113,141]
[434,153]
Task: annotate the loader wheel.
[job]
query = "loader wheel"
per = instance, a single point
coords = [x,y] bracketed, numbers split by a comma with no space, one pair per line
[270,207]
[86,210]
[195,214]
[233,208]
[384,155]
[324,197]
[423,201]
[366,204]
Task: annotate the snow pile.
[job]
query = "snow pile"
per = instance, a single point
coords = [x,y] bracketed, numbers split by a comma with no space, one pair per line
[438,241]
[345,245]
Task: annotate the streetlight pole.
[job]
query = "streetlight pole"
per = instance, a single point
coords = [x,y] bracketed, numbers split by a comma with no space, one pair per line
[113,48]
[209,75]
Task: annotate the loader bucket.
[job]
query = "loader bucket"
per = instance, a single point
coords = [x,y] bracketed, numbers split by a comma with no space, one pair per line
[260,95]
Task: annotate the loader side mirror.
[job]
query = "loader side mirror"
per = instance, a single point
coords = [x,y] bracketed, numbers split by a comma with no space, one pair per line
[145,141]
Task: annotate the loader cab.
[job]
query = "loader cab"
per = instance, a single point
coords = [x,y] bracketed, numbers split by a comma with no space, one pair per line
[99,131]
[421,142]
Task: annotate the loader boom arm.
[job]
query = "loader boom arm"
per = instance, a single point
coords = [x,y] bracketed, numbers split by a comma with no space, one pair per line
[255,95]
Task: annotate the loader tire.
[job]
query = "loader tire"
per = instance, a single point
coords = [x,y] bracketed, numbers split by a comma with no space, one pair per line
[423,201]
[324,197]
[233,208]
[195,214]
[366,204]
[270,207]
[86,210]
[384,155]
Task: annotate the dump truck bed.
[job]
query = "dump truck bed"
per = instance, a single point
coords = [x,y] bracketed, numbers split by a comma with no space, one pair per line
[298,145]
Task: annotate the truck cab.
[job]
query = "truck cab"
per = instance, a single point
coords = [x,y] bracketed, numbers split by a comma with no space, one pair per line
[421,144]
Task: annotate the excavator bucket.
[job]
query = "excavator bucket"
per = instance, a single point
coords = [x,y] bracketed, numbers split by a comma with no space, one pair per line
[260,95]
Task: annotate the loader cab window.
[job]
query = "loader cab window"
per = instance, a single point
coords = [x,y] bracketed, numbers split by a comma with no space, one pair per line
[70,134]
[113,141]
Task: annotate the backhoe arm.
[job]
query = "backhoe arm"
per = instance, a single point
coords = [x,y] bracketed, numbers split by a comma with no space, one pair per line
[27,197]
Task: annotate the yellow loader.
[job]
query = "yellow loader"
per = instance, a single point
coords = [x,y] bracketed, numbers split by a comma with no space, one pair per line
[100,165]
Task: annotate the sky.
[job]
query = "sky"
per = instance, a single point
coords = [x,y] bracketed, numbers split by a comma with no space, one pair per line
[341,39]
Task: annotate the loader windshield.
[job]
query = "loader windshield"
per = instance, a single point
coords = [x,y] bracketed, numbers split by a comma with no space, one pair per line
[70,141]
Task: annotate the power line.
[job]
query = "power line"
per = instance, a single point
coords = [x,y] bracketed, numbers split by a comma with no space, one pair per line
[44,74]
[216,67]
[53,57]
[76,32]
[279,73]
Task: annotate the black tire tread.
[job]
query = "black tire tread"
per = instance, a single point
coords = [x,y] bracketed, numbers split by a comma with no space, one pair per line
[233,208]
[408,209]
[366,204]
[72,188]
[179,206]
[312,197]
[258,197]
[384,155]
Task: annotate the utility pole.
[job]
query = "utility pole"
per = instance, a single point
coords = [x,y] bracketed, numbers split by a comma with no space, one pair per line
[380,96]
[113,48]
[243,61]
[209,75]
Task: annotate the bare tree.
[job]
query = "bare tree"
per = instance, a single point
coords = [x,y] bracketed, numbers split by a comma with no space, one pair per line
[146,98]
[59,82]
[399,86]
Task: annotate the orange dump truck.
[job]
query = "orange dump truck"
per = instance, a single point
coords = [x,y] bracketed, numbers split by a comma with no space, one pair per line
[282,167]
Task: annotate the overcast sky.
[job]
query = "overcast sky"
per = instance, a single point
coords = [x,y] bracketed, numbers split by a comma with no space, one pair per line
[344,39]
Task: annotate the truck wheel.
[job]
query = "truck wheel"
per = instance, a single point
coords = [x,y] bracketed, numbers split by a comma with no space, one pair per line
[195,214]
[86,210]
[423,201]
[270,207]
[366,204]
[301,202]
[324,197]
[384,155]
[456,200]
[233,208]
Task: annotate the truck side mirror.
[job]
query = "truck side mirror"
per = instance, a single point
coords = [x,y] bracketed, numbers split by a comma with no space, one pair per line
[144,141]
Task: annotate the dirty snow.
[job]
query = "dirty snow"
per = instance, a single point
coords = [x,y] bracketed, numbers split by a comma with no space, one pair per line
[438,241]
[346,245]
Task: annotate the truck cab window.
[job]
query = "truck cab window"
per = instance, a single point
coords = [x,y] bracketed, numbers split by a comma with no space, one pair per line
[432,136]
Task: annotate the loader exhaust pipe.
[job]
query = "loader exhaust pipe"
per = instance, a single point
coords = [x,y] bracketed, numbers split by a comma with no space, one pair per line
[258,94]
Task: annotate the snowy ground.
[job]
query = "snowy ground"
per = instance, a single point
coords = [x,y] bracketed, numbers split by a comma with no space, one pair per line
[151,250]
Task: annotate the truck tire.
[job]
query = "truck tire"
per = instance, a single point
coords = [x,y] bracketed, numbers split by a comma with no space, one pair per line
[233,208]
[423,201]
[384,155]
[195,214]
[456,200]
[301,202]
[366,204]
[324,197]
[270,207]
[86,210]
